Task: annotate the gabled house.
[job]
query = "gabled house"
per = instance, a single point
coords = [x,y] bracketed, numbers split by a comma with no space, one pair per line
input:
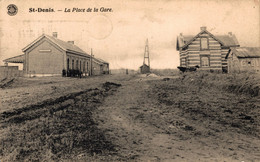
[243,59]
[206,50]
[48,56]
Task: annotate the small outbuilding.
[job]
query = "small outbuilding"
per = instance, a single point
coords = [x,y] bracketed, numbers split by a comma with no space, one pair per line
[144,69]
[100,66]
[243,59]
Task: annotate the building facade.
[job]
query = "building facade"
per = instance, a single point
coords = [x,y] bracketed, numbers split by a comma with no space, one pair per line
[49,56]
[244,59]
[100,66]
[205,50]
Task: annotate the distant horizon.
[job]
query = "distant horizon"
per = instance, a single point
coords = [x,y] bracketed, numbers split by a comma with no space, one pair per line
[151,69]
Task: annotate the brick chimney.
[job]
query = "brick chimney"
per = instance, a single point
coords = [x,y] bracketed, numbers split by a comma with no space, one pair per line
[71,42]
[230,33]
[203,28]
[55,34]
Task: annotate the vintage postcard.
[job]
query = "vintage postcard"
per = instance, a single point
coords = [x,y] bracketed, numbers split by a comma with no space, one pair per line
[131,80]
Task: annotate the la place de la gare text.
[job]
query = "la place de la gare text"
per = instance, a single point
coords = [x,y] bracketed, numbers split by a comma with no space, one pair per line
[75,9]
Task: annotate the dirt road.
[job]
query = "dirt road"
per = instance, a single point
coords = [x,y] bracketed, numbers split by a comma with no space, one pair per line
[122,116]
[143,128]
[129,118]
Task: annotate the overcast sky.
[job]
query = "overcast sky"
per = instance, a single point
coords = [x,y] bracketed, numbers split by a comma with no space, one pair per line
[119,36]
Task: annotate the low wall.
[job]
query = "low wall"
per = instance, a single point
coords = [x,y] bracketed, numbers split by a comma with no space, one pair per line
[10,72]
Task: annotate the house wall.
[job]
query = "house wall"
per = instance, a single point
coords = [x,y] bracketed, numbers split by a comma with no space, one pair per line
[145,69]
[236,64]
[233,64]
[194,53]
[44,58]
[97,69]
[183,56]
[249,64]
[106,68]
[77,58]
[224,52]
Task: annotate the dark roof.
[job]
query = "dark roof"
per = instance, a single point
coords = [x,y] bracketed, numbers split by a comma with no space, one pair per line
[245,52]
[16,59]
[182,40]
[99,61]
[62,44]
[224,40]
[66,45]
[228,40]
[144,65]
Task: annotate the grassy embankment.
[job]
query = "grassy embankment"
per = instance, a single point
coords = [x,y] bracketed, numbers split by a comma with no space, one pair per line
[231,100]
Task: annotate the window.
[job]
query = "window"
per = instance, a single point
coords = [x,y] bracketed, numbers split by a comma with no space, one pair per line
[204,61]
[77,65]
[73,64]
[68,64]
[87,66]
[204,43]
[45,50]
[84,68]
[80,65]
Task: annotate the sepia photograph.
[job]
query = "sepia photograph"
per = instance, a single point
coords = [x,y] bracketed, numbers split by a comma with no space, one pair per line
[130,80]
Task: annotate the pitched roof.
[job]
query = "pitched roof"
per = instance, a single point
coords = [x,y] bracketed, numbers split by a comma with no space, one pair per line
[16,59]
[245,52]
[224,40]
[182,40]
[228,40]
[144,65]
[99,61]
[62,44]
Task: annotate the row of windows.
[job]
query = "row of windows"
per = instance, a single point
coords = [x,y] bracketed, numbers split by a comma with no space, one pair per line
[77,65]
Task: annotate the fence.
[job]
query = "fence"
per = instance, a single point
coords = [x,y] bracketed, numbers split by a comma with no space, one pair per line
[10,72]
